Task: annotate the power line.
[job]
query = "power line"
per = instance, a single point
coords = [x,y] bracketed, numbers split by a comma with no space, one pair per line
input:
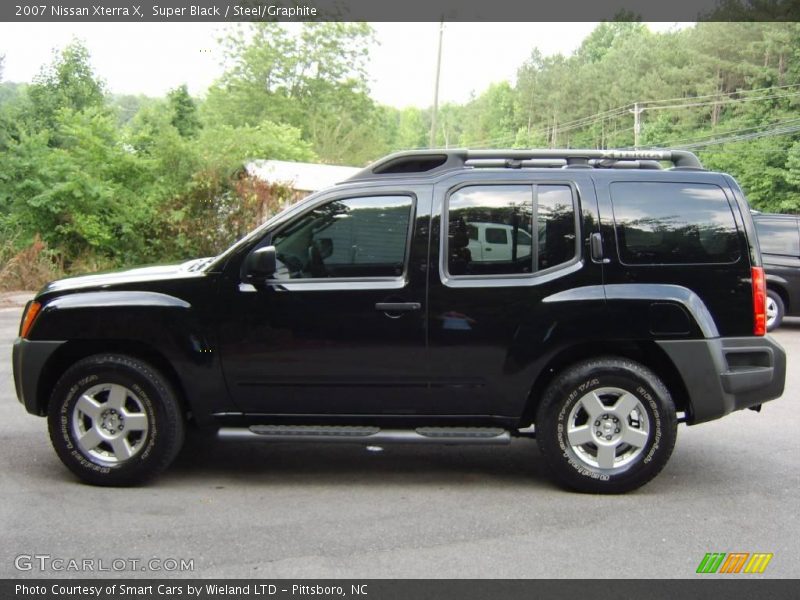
[743,138]
[715,135]
[617,112]
[728,102]
[764,89]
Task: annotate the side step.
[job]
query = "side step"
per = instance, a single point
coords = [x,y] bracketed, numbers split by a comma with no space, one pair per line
[367,435]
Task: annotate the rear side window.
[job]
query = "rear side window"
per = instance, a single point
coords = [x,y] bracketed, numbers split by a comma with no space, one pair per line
[778,236]
[510,229]
[673,223]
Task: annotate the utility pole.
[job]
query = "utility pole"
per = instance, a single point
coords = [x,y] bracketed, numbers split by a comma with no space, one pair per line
[637,124]
[436,87]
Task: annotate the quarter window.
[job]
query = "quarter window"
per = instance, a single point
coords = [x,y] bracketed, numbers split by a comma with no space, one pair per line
[673,223]
[356,237]
[491,229]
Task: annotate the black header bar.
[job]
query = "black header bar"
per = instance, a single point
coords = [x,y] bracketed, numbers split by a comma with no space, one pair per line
[396,10]
[699,588]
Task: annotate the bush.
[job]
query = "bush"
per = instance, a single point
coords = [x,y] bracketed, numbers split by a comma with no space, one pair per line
[30,268]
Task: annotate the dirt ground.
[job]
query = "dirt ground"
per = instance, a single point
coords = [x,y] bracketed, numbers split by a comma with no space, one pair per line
[15,299]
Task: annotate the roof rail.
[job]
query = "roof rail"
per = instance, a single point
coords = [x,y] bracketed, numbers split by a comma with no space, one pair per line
[436,161]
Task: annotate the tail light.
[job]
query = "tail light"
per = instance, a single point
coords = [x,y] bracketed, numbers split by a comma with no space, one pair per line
[31,312]
[759,301]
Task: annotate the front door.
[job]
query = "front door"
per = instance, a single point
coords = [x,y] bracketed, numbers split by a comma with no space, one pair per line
[341,327]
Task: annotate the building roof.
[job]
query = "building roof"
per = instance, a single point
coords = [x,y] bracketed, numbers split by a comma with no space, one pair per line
[305,177]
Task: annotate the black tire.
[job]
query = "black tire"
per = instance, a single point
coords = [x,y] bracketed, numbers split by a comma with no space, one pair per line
[155,430]
[780,309]
[606,380]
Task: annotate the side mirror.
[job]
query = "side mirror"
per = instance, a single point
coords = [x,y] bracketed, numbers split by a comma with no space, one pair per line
[261,263]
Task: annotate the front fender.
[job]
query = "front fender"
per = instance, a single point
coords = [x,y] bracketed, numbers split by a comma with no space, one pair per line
[158,324]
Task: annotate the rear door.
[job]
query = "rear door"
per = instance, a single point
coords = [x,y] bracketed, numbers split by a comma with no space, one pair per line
[493,318]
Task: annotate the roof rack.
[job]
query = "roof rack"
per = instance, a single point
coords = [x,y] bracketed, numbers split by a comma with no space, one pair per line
[431,162]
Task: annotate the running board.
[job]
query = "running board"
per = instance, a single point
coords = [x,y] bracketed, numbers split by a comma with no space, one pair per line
[367,435]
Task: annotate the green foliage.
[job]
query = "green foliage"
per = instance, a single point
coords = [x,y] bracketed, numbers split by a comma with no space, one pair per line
[90,180]
[695,86]
[315,81]
[80,195]
[489,119]
[159,187]
[184,112]
[66,83]
[218,203]
[127,106]
[597,44]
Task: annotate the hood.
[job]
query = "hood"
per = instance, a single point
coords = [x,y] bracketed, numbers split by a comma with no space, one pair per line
[186,270]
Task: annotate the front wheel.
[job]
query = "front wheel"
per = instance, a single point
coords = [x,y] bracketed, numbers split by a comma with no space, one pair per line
[115,420]
[606,425]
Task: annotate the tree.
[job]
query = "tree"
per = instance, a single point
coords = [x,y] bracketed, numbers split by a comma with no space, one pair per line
[219,202]
[489,119]
[82,195]
[68,82]
[127,106]
[184,112]
[597,44]
[315,81]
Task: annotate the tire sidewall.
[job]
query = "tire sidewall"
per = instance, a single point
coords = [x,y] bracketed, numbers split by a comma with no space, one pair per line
[151,393]
[561,398]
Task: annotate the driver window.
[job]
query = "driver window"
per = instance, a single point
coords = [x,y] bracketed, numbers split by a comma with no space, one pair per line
[356,237]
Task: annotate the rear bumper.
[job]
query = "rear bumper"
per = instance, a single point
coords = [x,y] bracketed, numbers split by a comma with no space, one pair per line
[29,359]
[727,374]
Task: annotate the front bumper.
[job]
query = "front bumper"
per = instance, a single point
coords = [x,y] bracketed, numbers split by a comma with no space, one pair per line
[29,360]
[727,374]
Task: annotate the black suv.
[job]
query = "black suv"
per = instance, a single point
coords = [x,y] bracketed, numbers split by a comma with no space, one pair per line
[590,298]
[779,238]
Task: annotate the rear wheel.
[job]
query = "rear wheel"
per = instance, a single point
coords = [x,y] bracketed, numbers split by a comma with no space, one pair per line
[775,310]
[115,420]
[606,425]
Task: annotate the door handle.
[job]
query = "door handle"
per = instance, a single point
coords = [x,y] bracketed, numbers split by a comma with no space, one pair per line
[397,306]
[596,247]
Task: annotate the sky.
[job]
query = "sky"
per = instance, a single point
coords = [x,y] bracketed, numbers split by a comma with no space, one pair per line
[152,58]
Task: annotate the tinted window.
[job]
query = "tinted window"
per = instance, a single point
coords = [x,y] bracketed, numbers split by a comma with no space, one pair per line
[673,223]
[556,225]
[357,237]
[505,215]
[778,236]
